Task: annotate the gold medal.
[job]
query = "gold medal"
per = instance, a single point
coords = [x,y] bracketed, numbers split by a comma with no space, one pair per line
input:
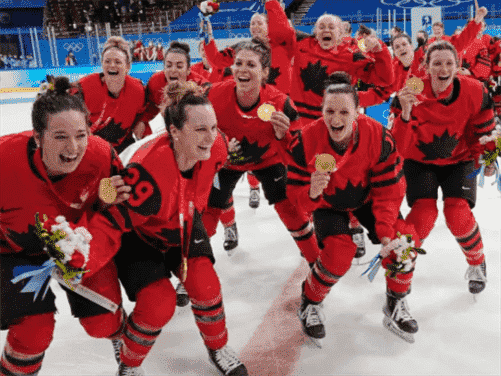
[361,45]
[264,111]
[415,84]
[107,191]
[325,163]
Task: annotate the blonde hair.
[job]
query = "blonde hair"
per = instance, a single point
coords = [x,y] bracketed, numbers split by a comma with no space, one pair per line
[336,19]
[120,44]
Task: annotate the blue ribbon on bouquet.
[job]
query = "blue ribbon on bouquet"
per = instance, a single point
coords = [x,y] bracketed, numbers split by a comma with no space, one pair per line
[373,268]
[202,34]
[38,276]
[497,180]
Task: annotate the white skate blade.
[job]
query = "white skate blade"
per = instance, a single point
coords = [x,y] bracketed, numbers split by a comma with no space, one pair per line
[317,342]
[476,298]
[390,325]
[231,252]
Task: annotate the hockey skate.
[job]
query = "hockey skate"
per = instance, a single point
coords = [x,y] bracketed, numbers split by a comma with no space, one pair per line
[227,362]
[312,320]
[254,198]
[397,318]
[124,370]
[476,275]
[182,298]
[358,239]
[230,238]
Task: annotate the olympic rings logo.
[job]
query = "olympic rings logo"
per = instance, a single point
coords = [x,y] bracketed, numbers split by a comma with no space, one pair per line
[430,3]
[75,47]
[239,35]
[155,41]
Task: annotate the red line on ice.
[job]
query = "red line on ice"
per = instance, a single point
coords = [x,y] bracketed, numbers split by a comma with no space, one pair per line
[275,346]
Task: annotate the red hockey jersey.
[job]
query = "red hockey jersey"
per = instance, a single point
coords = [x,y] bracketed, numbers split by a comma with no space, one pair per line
[26,190]
[370,169]
[463,39]
[209,75]
[446,130]
[260,148]
[312,66]
[113,119]
[155,93]
[160,192]
[280,38]
[478,59]
[379,94]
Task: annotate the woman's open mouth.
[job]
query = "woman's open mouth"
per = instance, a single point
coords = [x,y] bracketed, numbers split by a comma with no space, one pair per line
[68,159]
[337,129]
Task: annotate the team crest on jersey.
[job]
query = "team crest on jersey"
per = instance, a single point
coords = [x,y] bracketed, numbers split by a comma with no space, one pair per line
[313,77]
[272,77]
[145,198]
[113,132]
[440,148]
[251,152]
[351,197]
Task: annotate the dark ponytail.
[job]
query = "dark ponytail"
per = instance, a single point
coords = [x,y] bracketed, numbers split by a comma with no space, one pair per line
[340,83]
[180,48]
[55,96]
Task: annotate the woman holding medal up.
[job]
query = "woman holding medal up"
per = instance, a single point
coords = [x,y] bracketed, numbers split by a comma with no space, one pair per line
[347,162]
[171,177]
[256,117]
[56,170]
[441,130]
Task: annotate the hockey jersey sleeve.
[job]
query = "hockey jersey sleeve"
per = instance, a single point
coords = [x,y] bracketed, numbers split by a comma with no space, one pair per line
[106,224]
[480,124]
[375,95]
[106,238]
[218,60]
[279,30]
[151,108]
[380,72]
[464,39]
[387,186]
[299,176]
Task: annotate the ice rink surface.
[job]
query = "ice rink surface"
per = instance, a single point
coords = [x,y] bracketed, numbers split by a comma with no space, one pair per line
[261,288]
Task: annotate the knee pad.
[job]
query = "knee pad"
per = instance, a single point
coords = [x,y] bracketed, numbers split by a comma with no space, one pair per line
[152,311]
[458,216]
[102,326]
[33,334]
[202,282]
[423,215]
[291,217]
[338,253]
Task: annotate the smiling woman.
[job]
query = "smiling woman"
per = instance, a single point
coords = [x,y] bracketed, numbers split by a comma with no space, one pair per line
[258,119]
[367,182]
[439,132]
[171,177]
[176,69]
[60,166]
[114,99]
